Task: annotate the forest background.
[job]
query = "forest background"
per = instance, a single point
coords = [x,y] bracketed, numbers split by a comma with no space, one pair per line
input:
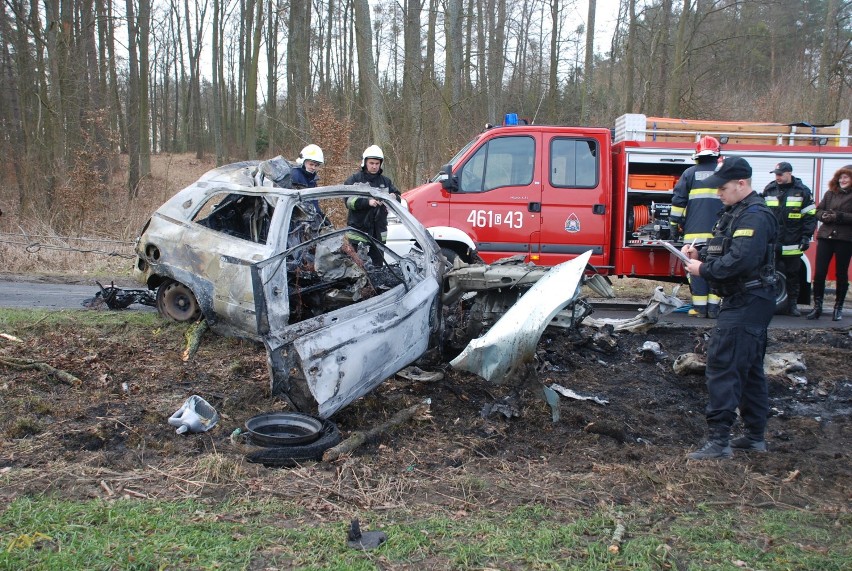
[92,89]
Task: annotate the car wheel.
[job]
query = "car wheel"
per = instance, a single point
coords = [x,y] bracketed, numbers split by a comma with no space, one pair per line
[176,302]
[289,456]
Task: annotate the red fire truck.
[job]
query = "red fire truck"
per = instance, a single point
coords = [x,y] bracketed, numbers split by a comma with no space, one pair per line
[550,193]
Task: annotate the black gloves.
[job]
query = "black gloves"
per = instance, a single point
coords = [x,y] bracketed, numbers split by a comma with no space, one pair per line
[805,245]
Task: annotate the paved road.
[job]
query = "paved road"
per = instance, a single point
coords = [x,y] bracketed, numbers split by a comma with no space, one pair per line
[42,295]
[23,294]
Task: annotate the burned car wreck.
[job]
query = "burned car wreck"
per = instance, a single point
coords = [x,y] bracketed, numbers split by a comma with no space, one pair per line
[264,262]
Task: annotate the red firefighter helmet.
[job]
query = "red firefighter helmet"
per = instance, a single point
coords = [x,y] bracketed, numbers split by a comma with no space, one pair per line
[707,147]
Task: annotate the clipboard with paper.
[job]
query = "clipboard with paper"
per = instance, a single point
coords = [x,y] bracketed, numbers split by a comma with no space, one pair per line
[680,255]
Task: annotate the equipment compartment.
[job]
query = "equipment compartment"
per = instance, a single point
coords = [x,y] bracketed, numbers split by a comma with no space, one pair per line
[651,182]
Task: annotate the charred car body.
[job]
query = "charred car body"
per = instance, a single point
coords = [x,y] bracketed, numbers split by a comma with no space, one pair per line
[263,262]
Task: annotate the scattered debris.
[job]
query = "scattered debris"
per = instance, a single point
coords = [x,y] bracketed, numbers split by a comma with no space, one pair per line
[572,395]
[283,429]
[195,415]
[507,406]
[783,363]
[357,539]
[419,411]
[689,363]
[651,352]
[120,298]
[417,374]
[296,454]
[8,337]
[552,399]
[660,304]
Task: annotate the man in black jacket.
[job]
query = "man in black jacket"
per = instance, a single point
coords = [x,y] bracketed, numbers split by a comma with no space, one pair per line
[793,205]
[368,214]
[738,263]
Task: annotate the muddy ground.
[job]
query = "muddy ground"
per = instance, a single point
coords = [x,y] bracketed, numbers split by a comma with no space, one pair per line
[108,437]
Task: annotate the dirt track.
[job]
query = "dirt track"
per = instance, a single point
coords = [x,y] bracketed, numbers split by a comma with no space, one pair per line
[110,436]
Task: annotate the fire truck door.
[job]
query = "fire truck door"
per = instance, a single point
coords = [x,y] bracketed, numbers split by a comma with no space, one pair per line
[498,202]
[575,207]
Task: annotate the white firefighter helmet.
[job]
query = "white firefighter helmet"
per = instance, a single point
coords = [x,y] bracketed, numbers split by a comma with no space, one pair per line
[372,152]
[311,153]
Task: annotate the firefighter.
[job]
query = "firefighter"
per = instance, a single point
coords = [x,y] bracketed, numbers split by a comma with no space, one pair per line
[368,214]
[306,175]
[793,205]
[695,208]
[739,264]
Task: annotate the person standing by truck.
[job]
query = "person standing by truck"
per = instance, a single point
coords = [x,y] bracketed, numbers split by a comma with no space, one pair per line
[793,205]
[695,208]
[739,264]
[368,214]
[834,238]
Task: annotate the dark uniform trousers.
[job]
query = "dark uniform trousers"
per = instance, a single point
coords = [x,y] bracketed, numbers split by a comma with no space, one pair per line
[735,355]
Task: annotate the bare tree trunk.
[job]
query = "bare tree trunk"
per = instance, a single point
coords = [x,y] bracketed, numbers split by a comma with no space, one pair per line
[824,113]
[553,75]
[452,79]
[217,100]
[298,61]
[272,74]
[676,75]
[369,79]
[412,88]
[588,68]
[251,83]
[144,106]
[662,62]
[629,59]
[496,59]
[132,106]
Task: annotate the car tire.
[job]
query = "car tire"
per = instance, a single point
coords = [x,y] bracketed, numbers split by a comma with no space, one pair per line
[290,456]
[176,302]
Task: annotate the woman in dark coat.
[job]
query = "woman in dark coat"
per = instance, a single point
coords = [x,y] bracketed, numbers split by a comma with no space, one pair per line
[834,238]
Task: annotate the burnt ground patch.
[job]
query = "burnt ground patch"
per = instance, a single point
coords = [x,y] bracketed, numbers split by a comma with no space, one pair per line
[110,437]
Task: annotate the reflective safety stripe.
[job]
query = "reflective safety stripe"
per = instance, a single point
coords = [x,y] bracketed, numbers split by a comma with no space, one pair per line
[713,299]
[702,193]
[743,232]
[791,250]
[350,202]
[771,201]
[699,237]
[809,209]
[794,201]
[677,210]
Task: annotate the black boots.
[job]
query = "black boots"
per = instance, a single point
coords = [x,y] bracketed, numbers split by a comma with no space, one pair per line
[817,310]
[749,443]
[840,297]
[819,291]
[792,308]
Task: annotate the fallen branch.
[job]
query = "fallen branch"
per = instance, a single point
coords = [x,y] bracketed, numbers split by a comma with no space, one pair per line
[24,364]
[193,338]
[8,337]
[617,536]
[420,410]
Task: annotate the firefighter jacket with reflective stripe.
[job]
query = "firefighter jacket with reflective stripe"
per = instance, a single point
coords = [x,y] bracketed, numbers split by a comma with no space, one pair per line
[695,206]
[794,208]
[372,220]
[744,239]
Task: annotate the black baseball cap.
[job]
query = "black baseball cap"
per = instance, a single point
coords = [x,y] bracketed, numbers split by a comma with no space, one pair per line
[782,167]
[732,168]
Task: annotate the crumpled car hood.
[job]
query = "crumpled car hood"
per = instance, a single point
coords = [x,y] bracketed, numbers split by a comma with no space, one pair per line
[506,351]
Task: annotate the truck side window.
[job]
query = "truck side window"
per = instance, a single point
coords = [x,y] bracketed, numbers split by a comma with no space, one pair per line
[507,161]
[574,163]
